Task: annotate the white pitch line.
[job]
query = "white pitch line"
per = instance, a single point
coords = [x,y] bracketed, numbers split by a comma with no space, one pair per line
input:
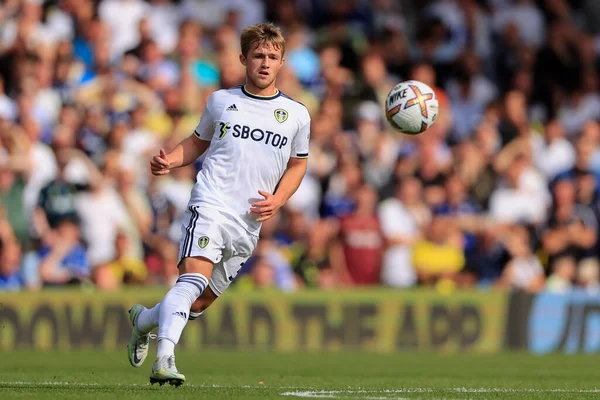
[328,395]
[295,391]
[390,398]
[89,384]
[334,394]
[22,383]
[311,394]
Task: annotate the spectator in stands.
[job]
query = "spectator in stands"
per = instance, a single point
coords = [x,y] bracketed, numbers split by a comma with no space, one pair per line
[338,200]
[12,188]
[10,265]
[588,275]
[474,164]
[470,93]
[439,256]
[555,154]
[123,17]
[564,270]
[273,256]
[158,73]
[402,219]
[57,199]
[434,161]
[571,229]
[263,274]
[517,84]
[126,268]
[319,262]
[526,17]
[523,195]
[103,215]
[457,207]
[362,239]
[524,271]
[161,254]
[38,159]
[64,260]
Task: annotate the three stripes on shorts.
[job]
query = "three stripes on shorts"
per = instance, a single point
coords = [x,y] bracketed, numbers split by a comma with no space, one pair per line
[189,232]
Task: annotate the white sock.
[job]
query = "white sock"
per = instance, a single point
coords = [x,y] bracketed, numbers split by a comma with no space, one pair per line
[165,348]
[195,315]
[148,319]
[176,306]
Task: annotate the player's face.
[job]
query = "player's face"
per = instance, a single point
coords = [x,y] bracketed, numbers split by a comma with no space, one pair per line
[263,63]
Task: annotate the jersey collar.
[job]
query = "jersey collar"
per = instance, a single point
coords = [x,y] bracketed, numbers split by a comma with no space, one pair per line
[257,97]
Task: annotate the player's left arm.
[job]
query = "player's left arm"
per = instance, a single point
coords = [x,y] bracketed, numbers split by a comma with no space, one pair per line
[292,177]
[289,183]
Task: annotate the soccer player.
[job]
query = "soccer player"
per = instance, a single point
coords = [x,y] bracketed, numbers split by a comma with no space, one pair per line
[256,144]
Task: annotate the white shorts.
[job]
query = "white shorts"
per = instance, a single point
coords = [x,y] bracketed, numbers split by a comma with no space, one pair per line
[216,236]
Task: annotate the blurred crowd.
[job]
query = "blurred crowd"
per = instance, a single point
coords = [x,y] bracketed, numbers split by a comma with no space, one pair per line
[501,191]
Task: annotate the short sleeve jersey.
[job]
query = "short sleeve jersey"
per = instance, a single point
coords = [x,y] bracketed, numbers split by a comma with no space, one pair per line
[252,139]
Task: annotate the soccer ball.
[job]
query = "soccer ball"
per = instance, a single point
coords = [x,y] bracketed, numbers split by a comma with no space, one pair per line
[411,107]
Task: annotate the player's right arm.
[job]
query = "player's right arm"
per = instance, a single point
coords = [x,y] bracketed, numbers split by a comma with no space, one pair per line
[190,148]
[183,154]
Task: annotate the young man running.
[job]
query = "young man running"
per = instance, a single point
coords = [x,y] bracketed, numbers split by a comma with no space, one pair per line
[256,143]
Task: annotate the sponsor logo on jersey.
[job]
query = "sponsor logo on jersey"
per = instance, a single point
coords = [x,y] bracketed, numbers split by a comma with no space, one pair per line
[203,241]
[232,108]
[256,134]
[223,129]
[281,115]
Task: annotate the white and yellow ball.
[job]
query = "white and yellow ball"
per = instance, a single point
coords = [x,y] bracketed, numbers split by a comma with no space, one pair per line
[411,107]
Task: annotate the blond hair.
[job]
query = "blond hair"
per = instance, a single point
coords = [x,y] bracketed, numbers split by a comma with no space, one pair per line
[266,33]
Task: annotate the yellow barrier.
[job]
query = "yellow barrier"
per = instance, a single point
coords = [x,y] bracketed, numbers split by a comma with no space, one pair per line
[373,320]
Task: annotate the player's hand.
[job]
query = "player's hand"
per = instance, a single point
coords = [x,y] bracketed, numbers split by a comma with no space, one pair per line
[159,165]
[266,208]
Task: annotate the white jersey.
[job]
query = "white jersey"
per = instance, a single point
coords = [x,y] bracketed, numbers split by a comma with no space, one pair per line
[252,139]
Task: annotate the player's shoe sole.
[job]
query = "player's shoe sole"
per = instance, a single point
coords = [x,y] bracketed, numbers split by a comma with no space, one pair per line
[137,348]
[172,381]
[164,371]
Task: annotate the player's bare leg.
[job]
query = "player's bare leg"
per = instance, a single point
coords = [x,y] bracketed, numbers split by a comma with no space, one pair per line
[204,301]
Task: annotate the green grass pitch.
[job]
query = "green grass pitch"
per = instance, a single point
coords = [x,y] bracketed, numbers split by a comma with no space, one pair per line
[235,375]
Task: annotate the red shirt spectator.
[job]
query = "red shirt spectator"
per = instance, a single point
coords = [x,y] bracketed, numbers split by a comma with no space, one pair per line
[362,239]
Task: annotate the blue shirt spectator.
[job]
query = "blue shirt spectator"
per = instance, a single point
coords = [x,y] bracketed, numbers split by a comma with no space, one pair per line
[64,260]
[10,265]
[74,261]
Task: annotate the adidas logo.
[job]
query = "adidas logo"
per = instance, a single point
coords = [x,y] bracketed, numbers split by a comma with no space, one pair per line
[181,314]
[232,108]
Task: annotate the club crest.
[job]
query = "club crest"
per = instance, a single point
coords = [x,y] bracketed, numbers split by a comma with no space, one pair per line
[203,241]
[281,115]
